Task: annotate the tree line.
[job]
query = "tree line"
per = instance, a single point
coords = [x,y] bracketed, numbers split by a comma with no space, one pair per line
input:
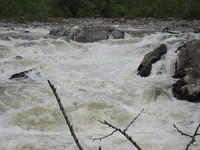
[187,9]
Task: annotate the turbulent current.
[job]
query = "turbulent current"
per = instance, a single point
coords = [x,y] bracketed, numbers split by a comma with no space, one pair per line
[96,81]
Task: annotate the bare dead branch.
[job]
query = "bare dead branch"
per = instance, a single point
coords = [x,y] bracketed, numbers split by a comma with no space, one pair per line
[123,132]
[133,120]
[65,116]
[129,138]
[181,132]
[193,137]
[196,131]
[101,138]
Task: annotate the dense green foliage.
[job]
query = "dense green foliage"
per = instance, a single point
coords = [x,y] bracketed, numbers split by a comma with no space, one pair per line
[100,8]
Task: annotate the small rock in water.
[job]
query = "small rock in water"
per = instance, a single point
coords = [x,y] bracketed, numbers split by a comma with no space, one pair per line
[26,31]
[18,57]
[20,75]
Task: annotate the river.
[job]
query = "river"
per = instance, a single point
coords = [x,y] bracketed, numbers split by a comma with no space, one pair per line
[96,81]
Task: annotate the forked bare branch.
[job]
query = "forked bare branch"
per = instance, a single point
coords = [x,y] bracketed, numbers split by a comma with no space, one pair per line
[123,132]
[193,137]
[181,132]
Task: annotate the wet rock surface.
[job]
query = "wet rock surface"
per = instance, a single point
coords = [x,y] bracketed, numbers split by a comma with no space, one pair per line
[62,31]
[18,57]
[89,33]
[188,72]
[145,66]
[184,26]
[20,75]
[7,36]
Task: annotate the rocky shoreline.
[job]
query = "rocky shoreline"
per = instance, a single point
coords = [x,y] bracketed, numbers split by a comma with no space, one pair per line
[168,24]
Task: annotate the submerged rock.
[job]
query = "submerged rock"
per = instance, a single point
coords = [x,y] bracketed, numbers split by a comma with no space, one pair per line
[187,70]
[145,66]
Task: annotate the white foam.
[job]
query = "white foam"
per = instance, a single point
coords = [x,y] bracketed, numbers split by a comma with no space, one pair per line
[96,81]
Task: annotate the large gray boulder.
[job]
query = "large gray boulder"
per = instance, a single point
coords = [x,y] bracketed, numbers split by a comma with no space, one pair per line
[187,70]
[95,33]
[152,57]
[89,33]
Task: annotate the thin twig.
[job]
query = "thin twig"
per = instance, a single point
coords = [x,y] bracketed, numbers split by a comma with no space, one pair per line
[133,120]
[65,116]
[101,138]
[196,131]
[181,132]
[193,137]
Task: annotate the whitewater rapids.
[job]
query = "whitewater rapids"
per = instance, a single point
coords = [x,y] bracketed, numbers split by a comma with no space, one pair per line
[96,81]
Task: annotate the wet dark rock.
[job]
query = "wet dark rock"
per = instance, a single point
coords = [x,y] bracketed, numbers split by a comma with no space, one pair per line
[196,29]
[187,70]
[181,91]
[20,75]
[117,34]
[26,31]
[145,66]
[18,57]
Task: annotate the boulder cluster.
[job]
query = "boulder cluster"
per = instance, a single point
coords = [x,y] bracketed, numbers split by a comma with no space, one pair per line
[187,69]
[187,66]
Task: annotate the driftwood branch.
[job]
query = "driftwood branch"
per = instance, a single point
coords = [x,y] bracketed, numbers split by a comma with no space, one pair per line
[123,132]
[193,137]
[65,116]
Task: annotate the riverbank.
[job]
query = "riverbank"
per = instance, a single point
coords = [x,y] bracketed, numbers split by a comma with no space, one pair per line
[167,24]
